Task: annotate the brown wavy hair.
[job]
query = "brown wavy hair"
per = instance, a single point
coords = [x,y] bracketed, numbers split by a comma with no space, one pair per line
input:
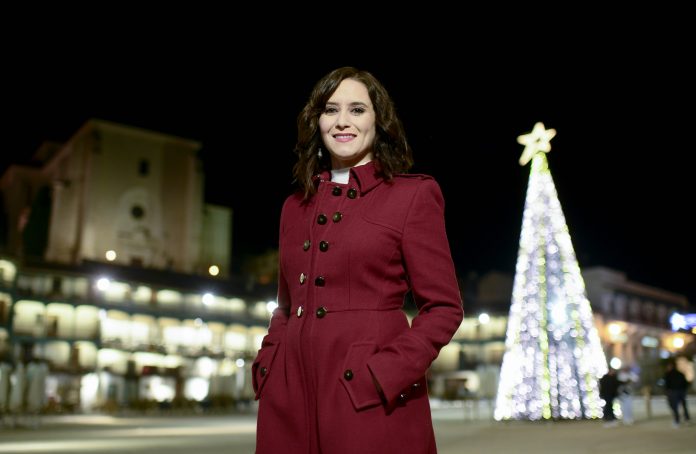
[391,150]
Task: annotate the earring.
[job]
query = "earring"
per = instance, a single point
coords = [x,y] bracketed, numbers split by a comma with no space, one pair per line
[319,153]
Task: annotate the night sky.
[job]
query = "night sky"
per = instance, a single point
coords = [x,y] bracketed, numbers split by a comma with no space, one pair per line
[623,112]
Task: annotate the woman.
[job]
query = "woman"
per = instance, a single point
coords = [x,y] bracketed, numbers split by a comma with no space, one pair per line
[341,370]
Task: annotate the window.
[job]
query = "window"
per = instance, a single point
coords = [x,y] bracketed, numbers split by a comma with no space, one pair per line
[144,167]
[137,212]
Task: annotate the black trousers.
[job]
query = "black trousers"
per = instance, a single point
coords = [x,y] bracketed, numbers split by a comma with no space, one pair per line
[676,397]
[609,409]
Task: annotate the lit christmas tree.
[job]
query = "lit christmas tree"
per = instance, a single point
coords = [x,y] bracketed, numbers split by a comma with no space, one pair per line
[553,355]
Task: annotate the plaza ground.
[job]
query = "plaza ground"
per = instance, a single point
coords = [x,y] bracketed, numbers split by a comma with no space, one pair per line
[460,427]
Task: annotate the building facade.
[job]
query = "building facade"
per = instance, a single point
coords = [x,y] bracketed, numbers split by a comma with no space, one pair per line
[115,273]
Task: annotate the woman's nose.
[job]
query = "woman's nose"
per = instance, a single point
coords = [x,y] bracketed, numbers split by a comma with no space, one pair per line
[343,120]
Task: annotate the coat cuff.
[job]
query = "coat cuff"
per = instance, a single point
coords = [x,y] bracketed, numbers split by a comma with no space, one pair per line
[397,389]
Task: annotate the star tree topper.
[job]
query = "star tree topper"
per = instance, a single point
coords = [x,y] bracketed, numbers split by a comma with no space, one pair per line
[537,140]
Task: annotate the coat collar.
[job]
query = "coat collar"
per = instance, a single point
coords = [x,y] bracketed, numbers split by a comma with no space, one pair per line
[366,177]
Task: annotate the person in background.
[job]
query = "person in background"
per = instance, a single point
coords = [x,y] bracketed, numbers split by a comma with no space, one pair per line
[341,371]
[675,388]
[627,379]
[608,390]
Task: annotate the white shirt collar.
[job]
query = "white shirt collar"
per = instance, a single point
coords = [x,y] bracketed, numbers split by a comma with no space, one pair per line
[340,175]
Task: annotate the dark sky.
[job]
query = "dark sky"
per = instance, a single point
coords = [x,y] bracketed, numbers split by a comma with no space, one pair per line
[623,111]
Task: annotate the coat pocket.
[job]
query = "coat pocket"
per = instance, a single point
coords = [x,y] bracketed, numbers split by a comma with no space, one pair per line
[261,369]
[357,379]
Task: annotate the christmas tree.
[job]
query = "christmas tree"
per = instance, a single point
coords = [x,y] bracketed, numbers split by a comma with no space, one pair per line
[553,355]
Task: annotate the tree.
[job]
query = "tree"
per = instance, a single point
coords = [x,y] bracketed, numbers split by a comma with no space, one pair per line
[553,356]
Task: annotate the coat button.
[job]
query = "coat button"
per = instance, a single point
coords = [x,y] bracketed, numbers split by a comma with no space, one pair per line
[402,396]
[321,219]
[324,246]
[263,371]
[321,312]
[352,193]
[336,190]
[415,385]
[337,216]
[348,374]
[303,278]
[306,245]
[300,311]
[320,281]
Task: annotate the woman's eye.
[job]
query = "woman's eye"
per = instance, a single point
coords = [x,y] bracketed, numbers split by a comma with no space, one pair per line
[358,110]
[330,110]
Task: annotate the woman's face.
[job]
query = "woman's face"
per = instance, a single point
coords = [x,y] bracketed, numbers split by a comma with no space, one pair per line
[347,125]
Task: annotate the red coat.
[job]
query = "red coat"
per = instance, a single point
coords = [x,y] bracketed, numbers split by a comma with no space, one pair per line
[347,258]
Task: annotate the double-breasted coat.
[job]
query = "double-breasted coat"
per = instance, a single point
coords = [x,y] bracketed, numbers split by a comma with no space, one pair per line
[348,256]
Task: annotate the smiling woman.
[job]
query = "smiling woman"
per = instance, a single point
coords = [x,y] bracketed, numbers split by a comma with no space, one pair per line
[340,357]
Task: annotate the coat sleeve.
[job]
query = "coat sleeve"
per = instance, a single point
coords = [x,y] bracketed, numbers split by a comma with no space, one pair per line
[277,326]
[428,261]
